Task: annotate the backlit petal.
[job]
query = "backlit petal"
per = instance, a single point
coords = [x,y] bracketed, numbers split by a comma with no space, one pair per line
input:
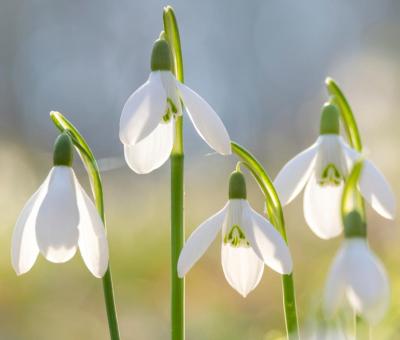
[242,268]
[376,190]
[143,110]
[267,243]
[322,208]
[151,152]
[367,283]
[58,217]
[206,121]
[24,250]
[92,236]
[199,241]
[294,175]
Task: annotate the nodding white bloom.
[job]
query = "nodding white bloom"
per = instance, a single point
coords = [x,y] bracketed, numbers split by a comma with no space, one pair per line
[358,276]
[322,170]
[59,218]
[248,242]
[148,118]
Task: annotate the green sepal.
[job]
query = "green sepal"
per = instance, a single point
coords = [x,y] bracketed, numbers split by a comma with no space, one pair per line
[354,225]
[63,154]
[161,56]
[329,120]
[237,186]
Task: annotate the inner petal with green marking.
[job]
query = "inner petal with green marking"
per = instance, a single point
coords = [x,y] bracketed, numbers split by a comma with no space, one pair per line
[236,237]
[330,176]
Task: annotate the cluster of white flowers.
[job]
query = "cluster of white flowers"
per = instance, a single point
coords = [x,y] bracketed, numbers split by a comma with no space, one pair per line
[60,217]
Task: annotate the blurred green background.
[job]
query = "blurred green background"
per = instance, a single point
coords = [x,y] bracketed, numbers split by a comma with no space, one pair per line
[261,64]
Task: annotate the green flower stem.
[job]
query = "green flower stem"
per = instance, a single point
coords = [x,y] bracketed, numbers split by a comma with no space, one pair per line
[350,124]
[177,188]
[275,214]
[97,188]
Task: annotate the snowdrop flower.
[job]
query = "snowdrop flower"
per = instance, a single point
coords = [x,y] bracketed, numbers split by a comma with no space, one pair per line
[148,117]
[322,170]
[248,242]
[59,218]
[357,275]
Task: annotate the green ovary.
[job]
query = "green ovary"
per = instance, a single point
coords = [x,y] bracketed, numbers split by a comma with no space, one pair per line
[236,237]
[330,176]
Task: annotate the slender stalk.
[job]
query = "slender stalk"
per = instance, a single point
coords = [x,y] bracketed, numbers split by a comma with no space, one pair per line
[92,168]
[275,213]
[177,189]
[350,124]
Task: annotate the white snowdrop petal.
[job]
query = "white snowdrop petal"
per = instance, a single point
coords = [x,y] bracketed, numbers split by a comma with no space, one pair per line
[151,152]
[199,241]
[242,268]
[206,121]
[143,110]
[376,190]
[294,175]
[267,243]
[367,283]
[351,155]
[24,250]
[92,242]
[322,208]
[335,284]
[58,217]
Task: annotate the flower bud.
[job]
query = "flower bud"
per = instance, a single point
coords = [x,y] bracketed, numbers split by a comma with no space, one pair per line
[329,120]
[237,186]
[63,154]
[354,226]
[161,57]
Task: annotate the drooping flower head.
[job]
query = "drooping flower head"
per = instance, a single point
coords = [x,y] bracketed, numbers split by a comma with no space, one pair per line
[322,170]
[147,125]
[248,241]
[58,219]
[357,275]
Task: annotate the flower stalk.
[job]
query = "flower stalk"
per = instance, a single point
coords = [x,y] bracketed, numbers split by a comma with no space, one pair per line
[93,171]
[177,188]
[275,215]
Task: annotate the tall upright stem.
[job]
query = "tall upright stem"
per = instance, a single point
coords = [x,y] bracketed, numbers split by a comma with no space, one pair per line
[177,189]
[97,188]
[275,213]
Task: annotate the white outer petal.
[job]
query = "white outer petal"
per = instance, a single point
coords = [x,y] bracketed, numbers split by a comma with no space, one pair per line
[335,284]
[143,110]
[92,242]
[205,120]
[373,185]
[294,175]
[376,190]
[153,151]
[366,280]
[267,243]
[322,209]
[24,249]
[242,268]
[199,241]
[58,217]
[351,155]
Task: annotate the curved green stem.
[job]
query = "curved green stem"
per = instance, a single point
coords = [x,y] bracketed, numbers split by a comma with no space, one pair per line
[350,124]
[93,171]
[351,197]
[275,213]
[177,188]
